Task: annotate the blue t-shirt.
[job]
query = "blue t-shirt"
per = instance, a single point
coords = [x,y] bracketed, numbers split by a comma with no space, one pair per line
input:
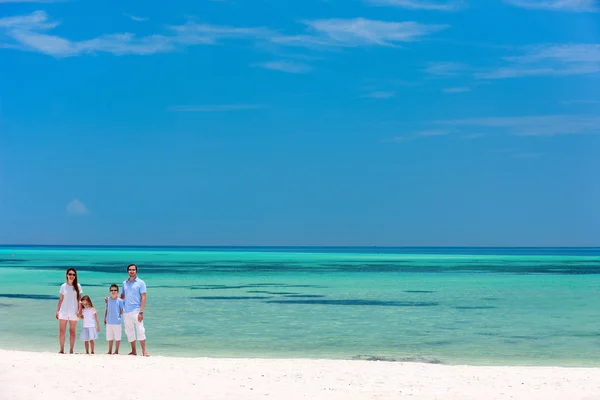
[133,294]
[113,317]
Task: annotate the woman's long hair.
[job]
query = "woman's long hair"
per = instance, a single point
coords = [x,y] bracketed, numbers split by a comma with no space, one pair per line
[75,283]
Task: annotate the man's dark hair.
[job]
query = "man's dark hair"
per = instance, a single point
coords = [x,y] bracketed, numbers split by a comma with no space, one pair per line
[132,265]
[114,285]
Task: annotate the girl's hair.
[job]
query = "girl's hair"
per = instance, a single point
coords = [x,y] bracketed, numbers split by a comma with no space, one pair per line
[87,298]
[75,283]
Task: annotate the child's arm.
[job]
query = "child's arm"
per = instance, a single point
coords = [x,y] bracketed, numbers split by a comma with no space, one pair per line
[97,323]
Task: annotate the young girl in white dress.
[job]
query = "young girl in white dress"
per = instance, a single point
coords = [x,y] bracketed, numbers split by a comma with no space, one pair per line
[91,327]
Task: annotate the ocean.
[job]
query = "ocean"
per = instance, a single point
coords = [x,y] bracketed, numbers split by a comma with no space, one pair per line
[476,306]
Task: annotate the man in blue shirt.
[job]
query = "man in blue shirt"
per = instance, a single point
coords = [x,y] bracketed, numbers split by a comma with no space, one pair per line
[134,294]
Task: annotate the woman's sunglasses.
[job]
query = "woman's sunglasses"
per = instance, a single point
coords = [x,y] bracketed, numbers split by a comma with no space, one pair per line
[70,274]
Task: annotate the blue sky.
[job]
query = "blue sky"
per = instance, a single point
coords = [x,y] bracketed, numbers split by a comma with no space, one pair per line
[314,122]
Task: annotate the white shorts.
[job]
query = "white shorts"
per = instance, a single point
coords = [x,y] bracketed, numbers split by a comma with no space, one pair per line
[113,332]
[132,325]
[68,317]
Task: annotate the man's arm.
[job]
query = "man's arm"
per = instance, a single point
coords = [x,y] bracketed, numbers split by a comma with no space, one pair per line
[142,306]
[105,314]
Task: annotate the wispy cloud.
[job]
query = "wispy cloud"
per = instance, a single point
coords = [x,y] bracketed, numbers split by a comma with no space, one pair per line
[32,1]
[446,68]
[216,107]
[357,32]
[456,90]
[569,102]
[558,5]
[137,19]
[31,33]
[472,136]
[434,132]
[420,4]
[428,133]
[34,32]
[549,60]
[379,95]
[76,207]
[544,125]
[286,66]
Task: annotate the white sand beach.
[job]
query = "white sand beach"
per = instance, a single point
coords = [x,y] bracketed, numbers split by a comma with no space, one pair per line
[28,375]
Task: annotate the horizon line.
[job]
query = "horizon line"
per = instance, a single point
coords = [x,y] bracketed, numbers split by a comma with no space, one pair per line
[300,246]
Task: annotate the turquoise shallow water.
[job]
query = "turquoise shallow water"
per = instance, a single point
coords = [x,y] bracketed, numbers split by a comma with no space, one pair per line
[474,306]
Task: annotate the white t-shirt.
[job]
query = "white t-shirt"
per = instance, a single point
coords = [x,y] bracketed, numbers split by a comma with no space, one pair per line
[70,305]
[88,317]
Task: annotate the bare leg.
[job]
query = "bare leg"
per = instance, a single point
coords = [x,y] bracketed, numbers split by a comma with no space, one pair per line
[72,332]
[117,346]
[110,343]
[87,347]
[143,344]
[92,345]
[62,328]
[133,349]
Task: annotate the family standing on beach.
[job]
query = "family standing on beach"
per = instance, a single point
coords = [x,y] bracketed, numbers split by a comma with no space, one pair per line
[129,308]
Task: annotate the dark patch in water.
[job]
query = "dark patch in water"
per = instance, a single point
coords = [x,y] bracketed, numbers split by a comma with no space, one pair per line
[305,295]
[232,297]
[419,291]
[359,302]
[474,307]
[487,334]
[417,359]
[490,298]
[6,305]
[523,337]
[28,296]
[11,260]
[267,292]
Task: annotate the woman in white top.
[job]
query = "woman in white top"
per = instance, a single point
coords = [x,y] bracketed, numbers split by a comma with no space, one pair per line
[68,309]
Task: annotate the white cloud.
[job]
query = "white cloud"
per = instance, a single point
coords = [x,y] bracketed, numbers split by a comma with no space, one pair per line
[76,207]
[217,107]
[446,68]
[472,136]
[544,125]
[549,60]
[420,4]
[32,1]
[558,5]
[137,19]
[31,33]
[380,95]
[568,102]
[286,66]
[456,90]
[433,132]
[357,32]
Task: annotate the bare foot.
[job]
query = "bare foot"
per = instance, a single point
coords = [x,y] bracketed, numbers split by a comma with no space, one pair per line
[132,354]
[146,354]
[71,352]
[92,352]
[116,353]
[61,352]
[110,353]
